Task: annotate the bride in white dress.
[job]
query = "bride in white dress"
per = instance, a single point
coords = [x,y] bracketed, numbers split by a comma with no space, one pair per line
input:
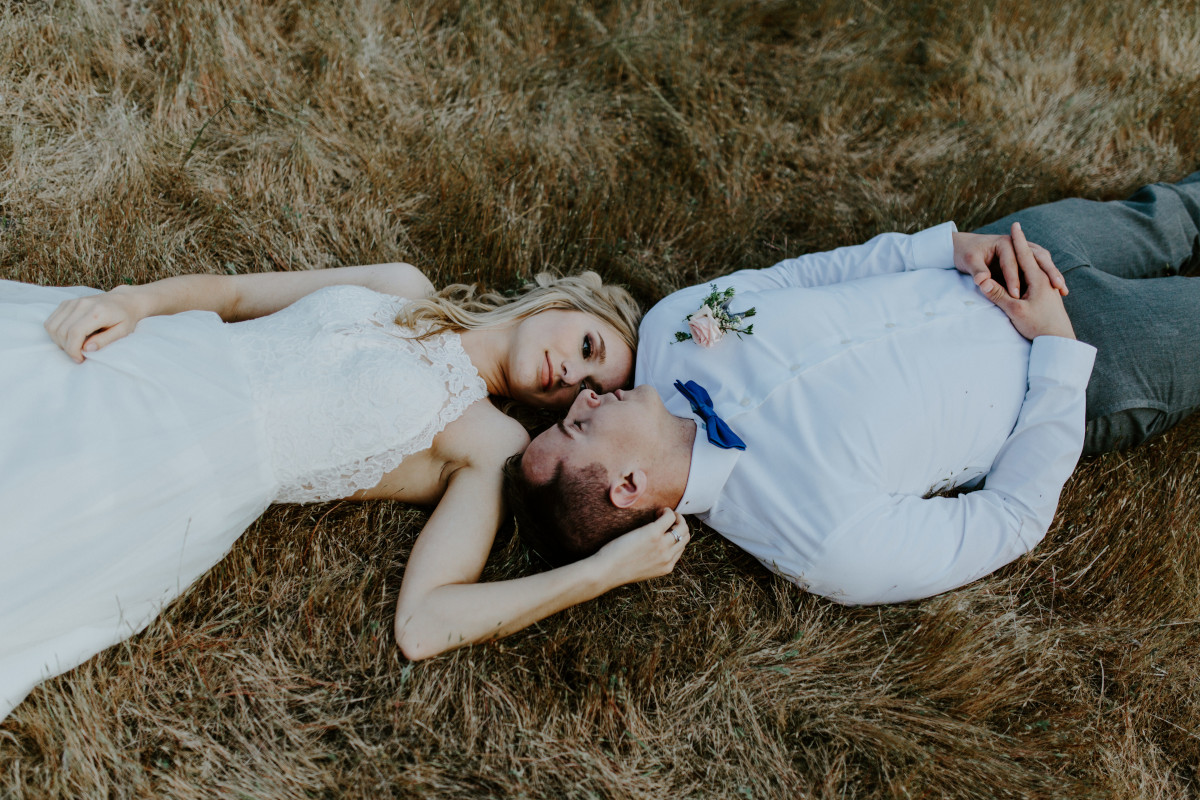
[129,464]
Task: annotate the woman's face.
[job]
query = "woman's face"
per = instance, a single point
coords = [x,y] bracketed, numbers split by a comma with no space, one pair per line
[556,354]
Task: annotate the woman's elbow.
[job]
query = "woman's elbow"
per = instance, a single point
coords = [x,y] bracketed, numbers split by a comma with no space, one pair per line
[405,280]
[415,645]
[413,649]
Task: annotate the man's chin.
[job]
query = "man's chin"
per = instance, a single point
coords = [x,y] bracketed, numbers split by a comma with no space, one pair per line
[533,458]
[644,392]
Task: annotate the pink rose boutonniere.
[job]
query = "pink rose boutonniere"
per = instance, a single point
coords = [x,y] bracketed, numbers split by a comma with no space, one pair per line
[709,323]
[706,330]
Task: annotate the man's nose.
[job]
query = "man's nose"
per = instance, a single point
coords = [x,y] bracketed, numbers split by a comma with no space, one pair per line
[585,399]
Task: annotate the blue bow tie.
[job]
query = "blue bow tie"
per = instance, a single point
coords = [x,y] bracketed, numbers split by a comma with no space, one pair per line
[719,432]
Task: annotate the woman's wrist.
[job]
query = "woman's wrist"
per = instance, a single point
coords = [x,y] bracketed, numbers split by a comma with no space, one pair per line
[140,301]
[601,573]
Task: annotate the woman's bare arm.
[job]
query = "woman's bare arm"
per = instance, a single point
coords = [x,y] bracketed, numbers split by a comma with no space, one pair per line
[88,323]
[442,607]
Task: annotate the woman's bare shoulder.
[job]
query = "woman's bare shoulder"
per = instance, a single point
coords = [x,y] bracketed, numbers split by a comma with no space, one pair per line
[482,435]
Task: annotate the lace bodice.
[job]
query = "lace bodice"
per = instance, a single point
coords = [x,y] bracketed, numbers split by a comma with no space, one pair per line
[344,395]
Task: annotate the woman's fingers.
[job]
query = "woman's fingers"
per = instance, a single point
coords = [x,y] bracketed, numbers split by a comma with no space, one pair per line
[670,537]
[679,529]
[55,323]
[86,324]
[67,327]
[649,551]
[678,536]
[81,329]
[104,337]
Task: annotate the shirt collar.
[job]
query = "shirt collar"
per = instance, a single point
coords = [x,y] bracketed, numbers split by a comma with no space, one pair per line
[710,469]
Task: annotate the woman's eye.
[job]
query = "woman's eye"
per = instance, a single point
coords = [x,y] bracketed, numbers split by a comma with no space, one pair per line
[587,347]
[584,386]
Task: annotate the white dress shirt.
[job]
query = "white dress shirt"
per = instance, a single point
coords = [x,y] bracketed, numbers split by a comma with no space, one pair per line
[876,375]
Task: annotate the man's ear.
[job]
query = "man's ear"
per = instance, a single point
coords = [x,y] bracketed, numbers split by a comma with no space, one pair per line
[626,491]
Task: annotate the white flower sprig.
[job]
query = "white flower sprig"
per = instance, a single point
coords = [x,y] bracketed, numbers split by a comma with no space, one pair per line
[709,323]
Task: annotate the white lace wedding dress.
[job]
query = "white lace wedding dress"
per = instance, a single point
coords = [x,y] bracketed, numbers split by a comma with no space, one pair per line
[125,478]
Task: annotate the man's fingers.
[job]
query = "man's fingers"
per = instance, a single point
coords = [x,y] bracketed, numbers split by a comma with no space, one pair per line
[1034,276]
[1008,266]
[1052,272]
[995,292]
[1047,264]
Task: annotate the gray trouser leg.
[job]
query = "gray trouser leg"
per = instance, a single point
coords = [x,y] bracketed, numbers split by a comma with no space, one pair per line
[1122,262]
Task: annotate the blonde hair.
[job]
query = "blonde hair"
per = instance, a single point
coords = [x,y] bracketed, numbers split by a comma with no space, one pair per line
[459,307]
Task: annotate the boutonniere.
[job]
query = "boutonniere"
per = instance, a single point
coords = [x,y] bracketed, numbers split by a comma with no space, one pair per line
[709,323]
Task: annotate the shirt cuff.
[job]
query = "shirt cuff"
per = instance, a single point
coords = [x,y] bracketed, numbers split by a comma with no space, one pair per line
[932,248]
[1066,360]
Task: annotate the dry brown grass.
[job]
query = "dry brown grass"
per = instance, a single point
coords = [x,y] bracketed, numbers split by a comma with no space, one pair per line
[659,143]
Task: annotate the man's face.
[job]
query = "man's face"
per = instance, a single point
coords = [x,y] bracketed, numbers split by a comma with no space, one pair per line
[616,430]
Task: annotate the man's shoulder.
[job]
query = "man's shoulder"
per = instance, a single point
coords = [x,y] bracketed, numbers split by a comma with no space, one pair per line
[669,314]
[664,314]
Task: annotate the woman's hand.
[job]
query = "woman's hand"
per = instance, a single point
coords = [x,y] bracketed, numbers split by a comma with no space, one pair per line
[86,324]
[975,253]
[646,552]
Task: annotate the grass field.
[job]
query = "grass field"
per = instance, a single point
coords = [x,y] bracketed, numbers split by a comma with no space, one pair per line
[660,143]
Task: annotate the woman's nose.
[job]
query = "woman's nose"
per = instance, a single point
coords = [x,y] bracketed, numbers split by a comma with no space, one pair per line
[570,375]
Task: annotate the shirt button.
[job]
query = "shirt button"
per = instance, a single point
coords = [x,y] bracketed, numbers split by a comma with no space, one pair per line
[745,401]
[929,313]
[845,341]
[794,367]
[890,325]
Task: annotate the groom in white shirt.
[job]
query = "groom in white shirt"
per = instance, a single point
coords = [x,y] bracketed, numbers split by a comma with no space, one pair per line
[878,376]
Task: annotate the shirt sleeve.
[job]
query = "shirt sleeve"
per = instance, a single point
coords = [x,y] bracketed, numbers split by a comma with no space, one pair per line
[932,248]
[904,548]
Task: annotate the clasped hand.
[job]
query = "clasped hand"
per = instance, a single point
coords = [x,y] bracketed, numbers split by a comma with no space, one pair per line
[85,324]
[975,253]
[1039,311]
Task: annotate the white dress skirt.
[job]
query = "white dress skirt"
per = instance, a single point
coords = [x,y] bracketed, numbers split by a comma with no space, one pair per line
[125,478]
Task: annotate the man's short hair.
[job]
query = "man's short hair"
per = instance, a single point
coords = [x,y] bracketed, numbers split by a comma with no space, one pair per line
[570,516]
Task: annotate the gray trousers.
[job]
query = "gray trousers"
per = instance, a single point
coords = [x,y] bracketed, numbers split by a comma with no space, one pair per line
[1123,262]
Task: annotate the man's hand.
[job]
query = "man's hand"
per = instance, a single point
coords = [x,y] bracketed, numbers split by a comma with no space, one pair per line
[1038,312]
[975,253]
[646,552]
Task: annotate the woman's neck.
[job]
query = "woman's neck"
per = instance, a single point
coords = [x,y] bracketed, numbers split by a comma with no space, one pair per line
[488,350]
